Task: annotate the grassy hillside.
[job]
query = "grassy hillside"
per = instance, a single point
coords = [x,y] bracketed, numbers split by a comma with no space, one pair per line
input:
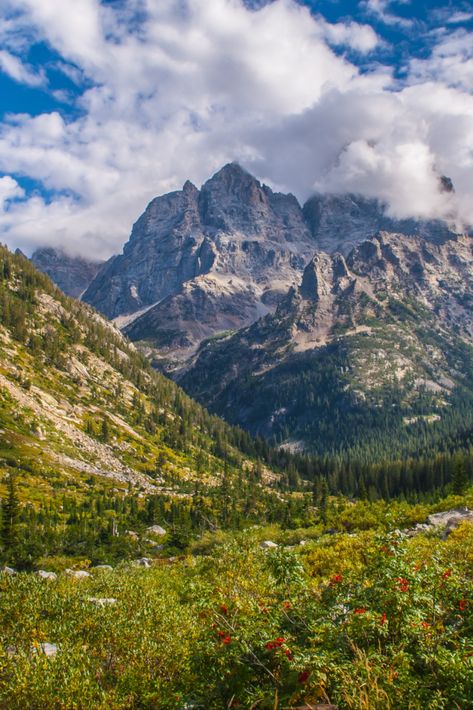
[95,440]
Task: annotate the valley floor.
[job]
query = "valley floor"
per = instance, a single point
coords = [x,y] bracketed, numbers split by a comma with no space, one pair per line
[368,619]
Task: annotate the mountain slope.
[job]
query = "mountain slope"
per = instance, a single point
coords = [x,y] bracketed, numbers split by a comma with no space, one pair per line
[369,352]
[77,401]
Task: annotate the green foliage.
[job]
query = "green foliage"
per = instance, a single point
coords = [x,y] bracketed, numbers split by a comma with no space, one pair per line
[388,627]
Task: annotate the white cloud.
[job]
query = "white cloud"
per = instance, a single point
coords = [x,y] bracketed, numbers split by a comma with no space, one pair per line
[14,67]
[380,9]
[194,85]
[9,190]
[361,38]
[451,61]
[460,17]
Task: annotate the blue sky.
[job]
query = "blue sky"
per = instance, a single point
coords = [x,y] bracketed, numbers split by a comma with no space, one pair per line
[105,104]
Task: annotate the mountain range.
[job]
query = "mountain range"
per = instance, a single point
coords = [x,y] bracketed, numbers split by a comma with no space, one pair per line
[328,327]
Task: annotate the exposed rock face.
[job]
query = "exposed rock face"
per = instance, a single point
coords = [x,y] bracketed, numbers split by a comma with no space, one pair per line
[199,262]
[203,262]
[340,222]
[382,330]
[71,274]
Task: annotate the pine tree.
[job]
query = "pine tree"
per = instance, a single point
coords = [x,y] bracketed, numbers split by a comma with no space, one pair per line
[459,478]
[10,516]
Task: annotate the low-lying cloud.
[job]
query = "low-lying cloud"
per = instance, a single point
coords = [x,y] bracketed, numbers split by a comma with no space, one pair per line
[176,89]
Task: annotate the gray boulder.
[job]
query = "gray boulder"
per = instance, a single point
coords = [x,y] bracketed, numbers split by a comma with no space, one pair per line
[143,562]
[156,530]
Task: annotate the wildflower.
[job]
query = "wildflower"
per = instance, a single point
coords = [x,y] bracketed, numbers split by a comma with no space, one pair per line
[462,604]
[287,605]
[289,654]
[303,676]
[403,584]
[336,579]
[425,625]
[360,610]
[384,618]
[447,574]
[227,639]
[223,609]
[277,643]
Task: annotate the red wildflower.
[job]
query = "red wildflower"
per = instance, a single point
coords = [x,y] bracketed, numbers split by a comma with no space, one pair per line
[227,639]
[223,609]
[303,676]
[426,625]
[287,605]
[384,618]
[462,604]
[270,645]
[446,574]
[289,654]
[361,610]
[403,584]
[336,579]
[221,633]
[279,641]
[387,551]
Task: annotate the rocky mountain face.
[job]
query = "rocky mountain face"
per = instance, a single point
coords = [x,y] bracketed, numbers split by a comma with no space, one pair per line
[71,274]
[340,222]
[199,262]
[371,350]
[202,262]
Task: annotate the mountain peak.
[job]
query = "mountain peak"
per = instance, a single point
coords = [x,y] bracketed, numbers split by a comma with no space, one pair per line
[189,187]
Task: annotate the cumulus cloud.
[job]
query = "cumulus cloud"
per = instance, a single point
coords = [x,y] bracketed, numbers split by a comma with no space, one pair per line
[177,88]
[451,61]
[9,190]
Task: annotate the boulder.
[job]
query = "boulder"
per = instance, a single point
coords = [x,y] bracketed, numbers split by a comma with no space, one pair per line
[43,574]
[102,601]
[143,562]
[8,570]
[106,568]
[268,545]
[131,533]
[448,517]
[78,573]
[446,521]
[49,649]
[156,530]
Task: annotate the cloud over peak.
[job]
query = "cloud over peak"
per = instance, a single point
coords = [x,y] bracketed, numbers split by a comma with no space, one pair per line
[173,90]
